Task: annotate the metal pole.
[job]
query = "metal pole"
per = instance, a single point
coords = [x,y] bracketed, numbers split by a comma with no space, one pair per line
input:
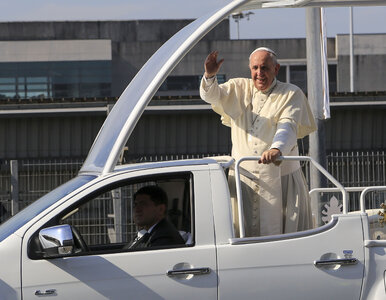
[315,97]
[14,187]
[238,29]
[120,218]
[352,74]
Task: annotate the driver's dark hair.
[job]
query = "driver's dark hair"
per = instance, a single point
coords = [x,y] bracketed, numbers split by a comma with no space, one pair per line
[157,195]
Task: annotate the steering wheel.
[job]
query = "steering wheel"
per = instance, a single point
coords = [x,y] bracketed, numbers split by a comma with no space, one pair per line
[78,239]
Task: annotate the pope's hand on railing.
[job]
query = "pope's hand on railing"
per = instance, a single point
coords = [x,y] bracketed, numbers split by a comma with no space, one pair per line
[270,156]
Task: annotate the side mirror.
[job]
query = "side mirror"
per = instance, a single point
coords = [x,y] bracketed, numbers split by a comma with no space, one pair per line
[57,241]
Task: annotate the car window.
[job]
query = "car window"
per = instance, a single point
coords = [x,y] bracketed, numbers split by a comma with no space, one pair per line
[105,222]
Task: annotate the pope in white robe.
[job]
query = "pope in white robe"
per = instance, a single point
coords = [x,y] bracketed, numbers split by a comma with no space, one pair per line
[266,117]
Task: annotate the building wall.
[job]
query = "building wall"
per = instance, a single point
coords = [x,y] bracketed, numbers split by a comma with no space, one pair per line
[116,31]
[356,129]
[70,134]
[67,130]
[369,62]
[48,136]
[132,42]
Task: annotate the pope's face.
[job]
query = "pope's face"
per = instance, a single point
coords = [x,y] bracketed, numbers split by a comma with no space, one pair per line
[263,69]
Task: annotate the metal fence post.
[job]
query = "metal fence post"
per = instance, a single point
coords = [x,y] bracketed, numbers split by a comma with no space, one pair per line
[14,166]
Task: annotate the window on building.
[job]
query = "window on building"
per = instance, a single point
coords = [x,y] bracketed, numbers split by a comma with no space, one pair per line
[332,78]
[185,82]
[297,74]
[55,79]
[8,87]
[282,76]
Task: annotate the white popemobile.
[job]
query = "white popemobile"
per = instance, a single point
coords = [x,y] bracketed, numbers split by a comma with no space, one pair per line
[71,243]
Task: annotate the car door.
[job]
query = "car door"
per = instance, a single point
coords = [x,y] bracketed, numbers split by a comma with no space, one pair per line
[296,266]
[145,274]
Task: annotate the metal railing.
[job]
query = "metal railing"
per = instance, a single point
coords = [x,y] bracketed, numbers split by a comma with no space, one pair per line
[296,158]
[360,168]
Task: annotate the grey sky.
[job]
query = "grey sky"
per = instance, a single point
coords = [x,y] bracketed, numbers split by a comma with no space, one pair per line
[267,23]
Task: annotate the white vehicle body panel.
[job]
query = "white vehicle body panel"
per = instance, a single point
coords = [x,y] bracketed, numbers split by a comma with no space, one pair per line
[374,284]
[10,268]
[284,269]
[135,275]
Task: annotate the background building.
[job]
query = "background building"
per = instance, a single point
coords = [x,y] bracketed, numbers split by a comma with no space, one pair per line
[98,59]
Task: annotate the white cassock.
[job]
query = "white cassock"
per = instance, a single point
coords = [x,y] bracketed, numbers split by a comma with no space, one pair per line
[275,197]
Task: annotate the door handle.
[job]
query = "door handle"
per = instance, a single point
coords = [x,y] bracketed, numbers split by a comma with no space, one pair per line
[193,271]
[339,261]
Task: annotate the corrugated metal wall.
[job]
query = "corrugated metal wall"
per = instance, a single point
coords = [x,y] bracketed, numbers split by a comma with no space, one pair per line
[47,136]
[71,135]
[177,133]
[170,132]
[355,128]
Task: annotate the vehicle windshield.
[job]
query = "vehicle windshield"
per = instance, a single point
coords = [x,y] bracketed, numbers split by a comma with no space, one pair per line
[25,215]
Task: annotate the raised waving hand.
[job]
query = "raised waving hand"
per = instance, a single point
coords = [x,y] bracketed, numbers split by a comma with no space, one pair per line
[212,65]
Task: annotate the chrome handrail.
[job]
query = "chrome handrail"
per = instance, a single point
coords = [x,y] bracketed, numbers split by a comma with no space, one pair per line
[297,158]
[365,191]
